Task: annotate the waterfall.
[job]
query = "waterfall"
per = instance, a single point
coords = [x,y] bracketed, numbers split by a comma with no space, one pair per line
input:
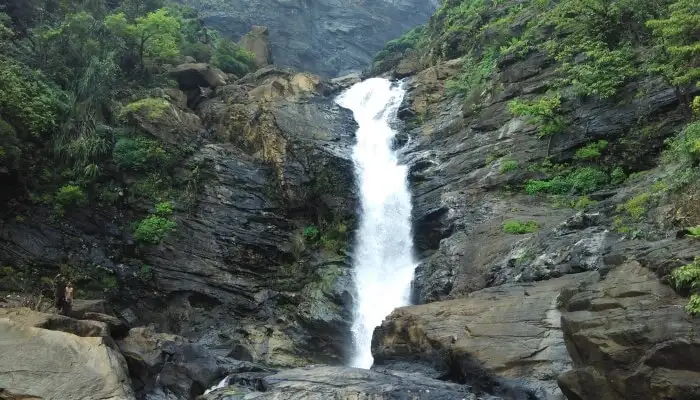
[383,262]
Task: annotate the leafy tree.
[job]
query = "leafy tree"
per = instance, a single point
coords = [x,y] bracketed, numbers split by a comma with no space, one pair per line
[677,46]
[155,35]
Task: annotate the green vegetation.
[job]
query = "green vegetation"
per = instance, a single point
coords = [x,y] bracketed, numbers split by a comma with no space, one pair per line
[231,58]
[677,46]
[636,207]
[686,280]
[685,147]
[388,57]
[68,196]
[311,233]
[155,35]
[591,151]
[139,154]
[331,237]
[577,181]
[543,113]
[475,73]
[520,227]
[72,79]
[617,176]
[508,165]
[694,231]
[154,228]
[152,108]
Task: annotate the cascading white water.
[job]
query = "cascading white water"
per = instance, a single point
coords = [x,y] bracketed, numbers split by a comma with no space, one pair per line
[383,257]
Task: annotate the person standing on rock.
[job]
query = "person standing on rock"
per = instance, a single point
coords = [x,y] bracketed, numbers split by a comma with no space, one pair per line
[68,301]
[60,293]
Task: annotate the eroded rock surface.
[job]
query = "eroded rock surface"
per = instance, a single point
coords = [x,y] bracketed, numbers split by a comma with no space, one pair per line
[510,331]
[630,338]
[55,365]
[321,383]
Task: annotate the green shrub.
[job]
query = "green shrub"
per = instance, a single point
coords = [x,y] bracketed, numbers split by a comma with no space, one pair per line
[164,209]
[68,196]
[686,279]
[150,107]
[508,165]
[519,227]
[232,58]
[685,147]
[26,100]
[139,154]
[542,113]
[591,151]
[693,306]
[602,72]
[584,202]
[617,176]
[399,46]
[636,207]
[581,180]
[474,75]
[311,234]
[694,231]
[153,229]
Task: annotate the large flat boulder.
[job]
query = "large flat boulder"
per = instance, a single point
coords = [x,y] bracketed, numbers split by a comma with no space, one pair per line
[630,338]
[58,365]
[341,383]
[512,331]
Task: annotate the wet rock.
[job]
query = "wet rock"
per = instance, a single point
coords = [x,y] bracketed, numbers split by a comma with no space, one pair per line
[57,365]
[322,382]
[512,331]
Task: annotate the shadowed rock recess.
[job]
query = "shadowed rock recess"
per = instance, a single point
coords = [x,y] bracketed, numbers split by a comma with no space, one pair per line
[554,189]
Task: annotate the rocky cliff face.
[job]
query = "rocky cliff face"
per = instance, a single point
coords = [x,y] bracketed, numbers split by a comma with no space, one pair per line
[544,308]
[328,37]
[239,275]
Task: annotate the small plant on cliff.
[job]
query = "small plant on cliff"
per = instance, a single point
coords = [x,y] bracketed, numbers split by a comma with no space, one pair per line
[311,233]
[151,107]
[636,207]
[519,227]
[686,279]
[591,151]
[685,147]
[68,196]
[581,180]
[155,227]
[232,58]
[543,113]
[508,165]
[694,232]
[474,75]
[164,209]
